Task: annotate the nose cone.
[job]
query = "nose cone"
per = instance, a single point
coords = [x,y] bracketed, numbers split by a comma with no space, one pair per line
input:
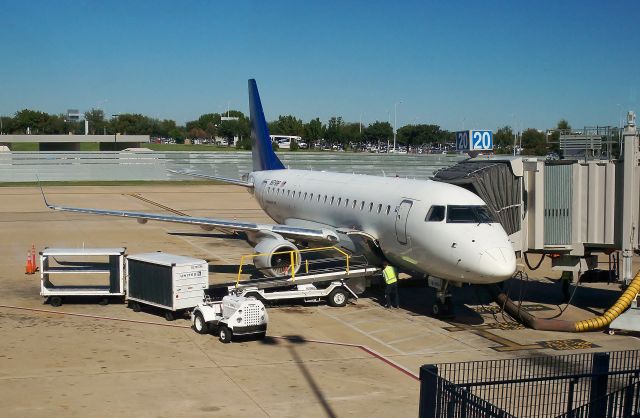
[497,264]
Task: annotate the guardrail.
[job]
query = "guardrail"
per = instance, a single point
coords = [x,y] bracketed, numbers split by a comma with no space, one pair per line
[568,385]
[153,166]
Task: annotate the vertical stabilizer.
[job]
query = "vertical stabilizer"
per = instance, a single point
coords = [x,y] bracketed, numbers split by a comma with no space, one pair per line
[262,151]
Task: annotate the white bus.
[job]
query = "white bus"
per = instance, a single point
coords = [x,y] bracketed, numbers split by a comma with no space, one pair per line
[284,141]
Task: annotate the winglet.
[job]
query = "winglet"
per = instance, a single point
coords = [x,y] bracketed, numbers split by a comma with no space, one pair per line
[261,149]
[42,191]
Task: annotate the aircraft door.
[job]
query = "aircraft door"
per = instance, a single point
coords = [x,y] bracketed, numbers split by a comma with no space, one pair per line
[401,220]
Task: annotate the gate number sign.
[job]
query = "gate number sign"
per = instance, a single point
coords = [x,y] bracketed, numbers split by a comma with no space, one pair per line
[474,140]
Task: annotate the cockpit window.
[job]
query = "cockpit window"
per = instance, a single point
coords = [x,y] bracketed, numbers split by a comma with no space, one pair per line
[436,214]
[468,214]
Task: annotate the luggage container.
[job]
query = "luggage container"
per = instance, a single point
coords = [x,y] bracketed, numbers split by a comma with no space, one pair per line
[173,283]
[81,272]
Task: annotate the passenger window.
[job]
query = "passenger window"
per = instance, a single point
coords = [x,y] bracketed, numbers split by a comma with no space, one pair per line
[379,207]
[388,209]
[435,214]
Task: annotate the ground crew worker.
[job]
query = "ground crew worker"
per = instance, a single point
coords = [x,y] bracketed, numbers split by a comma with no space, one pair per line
[391,279]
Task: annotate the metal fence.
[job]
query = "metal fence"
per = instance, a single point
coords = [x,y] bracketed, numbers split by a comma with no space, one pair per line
[129,165]
[534,387]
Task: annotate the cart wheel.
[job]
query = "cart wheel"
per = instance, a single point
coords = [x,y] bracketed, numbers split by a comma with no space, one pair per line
[261,336]
[55,301]
[103,302]
[135,306]
[338,297]
[199,324]
[224,334]
[169,315]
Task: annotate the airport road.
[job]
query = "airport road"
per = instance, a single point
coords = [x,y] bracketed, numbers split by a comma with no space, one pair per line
[56,364]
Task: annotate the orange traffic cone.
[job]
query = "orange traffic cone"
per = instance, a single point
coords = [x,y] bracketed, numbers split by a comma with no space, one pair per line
[34,266]
[29,267]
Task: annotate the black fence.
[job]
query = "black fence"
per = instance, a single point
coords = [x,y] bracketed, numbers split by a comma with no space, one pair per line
[598,385]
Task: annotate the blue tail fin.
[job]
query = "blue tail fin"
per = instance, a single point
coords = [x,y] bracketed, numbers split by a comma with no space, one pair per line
[263,156]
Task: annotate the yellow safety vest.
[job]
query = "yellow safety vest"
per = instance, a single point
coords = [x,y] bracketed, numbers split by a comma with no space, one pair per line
[390,275]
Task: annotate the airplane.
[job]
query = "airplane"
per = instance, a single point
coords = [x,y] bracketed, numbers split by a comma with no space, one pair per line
[420,226]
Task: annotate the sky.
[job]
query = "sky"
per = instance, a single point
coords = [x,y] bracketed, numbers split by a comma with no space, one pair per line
[457,64]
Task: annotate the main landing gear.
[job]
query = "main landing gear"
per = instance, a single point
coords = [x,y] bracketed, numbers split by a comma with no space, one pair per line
[443,308]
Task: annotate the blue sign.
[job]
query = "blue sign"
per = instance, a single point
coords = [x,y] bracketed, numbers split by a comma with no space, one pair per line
[462,140]
[474,140]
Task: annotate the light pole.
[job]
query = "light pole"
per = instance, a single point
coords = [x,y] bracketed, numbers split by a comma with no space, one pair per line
[395,123]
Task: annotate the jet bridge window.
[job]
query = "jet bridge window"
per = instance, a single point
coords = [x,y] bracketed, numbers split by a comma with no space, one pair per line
[436,214]
[468,214]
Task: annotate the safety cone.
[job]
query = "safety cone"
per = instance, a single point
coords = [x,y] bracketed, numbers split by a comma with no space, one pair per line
[29,267]
[34,266]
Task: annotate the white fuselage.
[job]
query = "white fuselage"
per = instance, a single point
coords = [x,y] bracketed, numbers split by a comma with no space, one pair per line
[393,210]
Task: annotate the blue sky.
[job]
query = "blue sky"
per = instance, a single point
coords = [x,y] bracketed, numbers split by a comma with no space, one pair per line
[471,64]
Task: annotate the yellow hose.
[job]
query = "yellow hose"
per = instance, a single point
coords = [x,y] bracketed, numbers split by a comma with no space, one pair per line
[612,313]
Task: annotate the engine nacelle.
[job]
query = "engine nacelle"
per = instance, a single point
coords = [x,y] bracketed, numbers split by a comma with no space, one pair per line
[277,259]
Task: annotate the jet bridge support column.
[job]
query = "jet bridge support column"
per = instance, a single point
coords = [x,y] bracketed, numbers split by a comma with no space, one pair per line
[630,196]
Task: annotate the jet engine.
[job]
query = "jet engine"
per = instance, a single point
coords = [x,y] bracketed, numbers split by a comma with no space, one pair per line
[277,259]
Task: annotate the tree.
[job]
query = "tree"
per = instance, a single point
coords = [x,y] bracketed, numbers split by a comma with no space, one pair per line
[287,125]
[503,139]
[563,124]
[416,135]
[378,131]
[97,124]
[314,131]
[334,130]
[533,142]
[351,134]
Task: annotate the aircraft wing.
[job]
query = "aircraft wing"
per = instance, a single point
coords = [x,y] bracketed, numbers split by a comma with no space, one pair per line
[286,231]
[209,177]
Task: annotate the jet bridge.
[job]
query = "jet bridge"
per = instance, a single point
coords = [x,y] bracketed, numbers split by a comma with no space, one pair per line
[571,209]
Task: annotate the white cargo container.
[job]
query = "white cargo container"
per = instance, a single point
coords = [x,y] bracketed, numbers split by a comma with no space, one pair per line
[171,282]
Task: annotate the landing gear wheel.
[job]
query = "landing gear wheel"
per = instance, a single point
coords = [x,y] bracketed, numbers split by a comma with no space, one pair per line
[338,297]
[55,301]
[134,306]
[224,334]
[442,310]
[169,315]
[199,324]
[611,331]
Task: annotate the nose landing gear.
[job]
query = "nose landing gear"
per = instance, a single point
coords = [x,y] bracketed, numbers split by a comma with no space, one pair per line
[443,308]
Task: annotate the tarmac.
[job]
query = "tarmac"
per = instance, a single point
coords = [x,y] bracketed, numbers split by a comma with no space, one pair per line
[84,359]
